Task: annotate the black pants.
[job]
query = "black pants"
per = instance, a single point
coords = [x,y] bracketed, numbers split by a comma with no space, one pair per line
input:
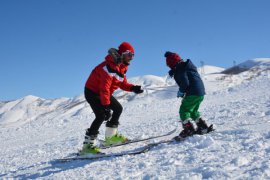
[94,101]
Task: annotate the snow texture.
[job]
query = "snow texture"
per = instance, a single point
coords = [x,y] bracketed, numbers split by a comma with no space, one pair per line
[35,132]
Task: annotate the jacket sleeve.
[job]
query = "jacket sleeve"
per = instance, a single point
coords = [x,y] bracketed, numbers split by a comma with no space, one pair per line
[125,85]
[104,86]
[182,81]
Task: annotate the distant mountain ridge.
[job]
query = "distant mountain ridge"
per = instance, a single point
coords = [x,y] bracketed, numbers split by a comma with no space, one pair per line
[31,107]
[261,63]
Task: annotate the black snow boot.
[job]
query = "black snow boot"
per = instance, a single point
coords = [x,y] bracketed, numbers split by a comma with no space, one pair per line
[187,131]
[202,127]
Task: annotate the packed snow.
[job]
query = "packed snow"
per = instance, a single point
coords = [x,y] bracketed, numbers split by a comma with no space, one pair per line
[35,132]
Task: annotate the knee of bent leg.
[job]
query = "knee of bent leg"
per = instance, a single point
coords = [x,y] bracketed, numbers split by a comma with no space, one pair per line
[118,110]
[100,115]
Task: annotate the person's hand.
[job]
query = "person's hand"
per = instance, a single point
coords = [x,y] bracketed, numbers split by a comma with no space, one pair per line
[137,89]
[180,94]
[171,73]
[107,113]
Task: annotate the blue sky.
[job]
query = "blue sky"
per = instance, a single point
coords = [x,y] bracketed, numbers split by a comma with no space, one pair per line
[49,47]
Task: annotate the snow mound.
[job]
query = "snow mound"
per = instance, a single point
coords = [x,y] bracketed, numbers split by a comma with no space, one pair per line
[148,81]
[28,108]
[17,110]
[210,69]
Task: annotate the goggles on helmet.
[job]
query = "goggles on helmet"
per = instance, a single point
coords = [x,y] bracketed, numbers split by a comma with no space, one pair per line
[129,54]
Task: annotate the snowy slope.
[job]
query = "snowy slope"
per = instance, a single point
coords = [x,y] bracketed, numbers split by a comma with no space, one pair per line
[210,69]
[35,131]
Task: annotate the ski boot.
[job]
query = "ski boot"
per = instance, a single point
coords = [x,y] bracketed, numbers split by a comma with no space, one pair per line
[90,149]
[89,146]
[112,136]
[188,130]
[202,127]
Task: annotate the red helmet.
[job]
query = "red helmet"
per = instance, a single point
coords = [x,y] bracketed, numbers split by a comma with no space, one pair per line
[125,47]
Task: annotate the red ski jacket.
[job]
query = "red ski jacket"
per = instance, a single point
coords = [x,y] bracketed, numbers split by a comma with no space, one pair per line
[106,78]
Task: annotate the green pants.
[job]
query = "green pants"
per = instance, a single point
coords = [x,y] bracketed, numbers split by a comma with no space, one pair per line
[190,106]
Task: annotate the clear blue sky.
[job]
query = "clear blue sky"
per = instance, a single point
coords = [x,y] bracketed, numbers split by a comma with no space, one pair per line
[49,47]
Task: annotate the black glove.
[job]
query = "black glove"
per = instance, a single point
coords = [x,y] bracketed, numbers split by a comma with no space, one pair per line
[107,113]
[137,89]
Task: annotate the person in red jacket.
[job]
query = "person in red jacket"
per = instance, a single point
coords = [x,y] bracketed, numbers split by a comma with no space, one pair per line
[99,87]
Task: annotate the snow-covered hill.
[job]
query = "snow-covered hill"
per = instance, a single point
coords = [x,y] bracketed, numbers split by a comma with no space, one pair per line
[35,131]
[256,64]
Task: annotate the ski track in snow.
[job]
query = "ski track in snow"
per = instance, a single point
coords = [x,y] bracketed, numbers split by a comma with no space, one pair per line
[238,149]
